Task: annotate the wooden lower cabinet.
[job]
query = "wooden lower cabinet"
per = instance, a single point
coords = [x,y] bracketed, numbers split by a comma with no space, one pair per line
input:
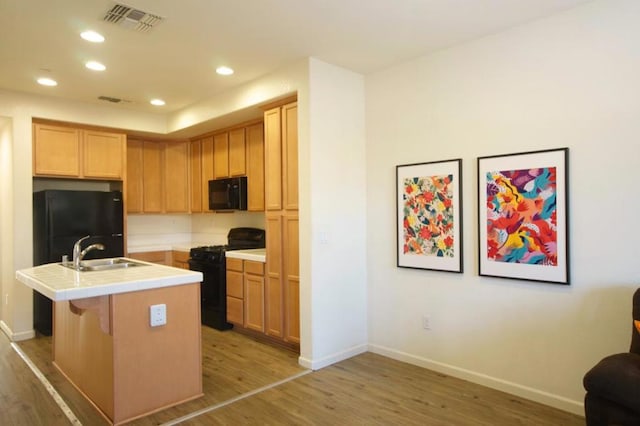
[159,257]
[282,276]
[245,293]
[180,259]
[254,295]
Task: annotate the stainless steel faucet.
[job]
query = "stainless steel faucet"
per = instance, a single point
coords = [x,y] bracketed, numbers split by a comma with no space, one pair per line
[78,255]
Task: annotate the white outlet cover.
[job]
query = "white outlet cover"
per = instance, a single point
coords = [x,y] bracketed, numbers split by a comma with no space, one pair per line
[157,315]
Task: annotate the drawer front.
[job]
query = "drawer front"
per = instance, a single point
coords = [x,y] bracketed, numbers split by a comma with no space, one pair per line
[255,268]
[235,310]
[234,284]
[234,264]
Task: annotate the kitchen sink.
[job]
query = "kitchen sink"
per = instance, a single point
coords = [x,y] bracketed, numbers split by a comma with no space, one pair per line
[103,264]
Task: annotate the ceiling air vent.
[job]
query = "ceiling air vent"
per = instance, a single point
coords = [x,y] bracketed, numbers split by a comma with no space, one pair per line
[131,19]
[113,100]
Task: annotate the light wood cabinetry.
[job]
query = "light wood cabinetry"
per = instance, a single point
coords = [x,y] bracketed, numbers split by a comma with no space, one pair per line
[255,166]
[158,177]
[152,182]
[282,280]
[221,155]
[60,151]
[245,294]
[235,291]
[237,153]
[176,177]
[103,155]
[159,257]
[180,259]
[201,172]
[134,177]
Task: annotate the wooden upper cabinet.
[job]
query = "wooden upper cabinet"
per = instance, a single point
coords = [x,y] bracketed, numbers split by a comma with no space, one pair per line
[195,172]
[221,155]
[56,150]
[153,184]
[290,156]
[237,153]
[281,157]
[176,177]
[272,160]
[134,177]
[255,167]
[207,170]
[103,154]
[61,151]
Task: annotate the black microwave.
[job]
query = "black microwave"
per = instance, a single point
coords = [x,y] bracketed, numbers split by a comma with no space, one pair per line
[228,194]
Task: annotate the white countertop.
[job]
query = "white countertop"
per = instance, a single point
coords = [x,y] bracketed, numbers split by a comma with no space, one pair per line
[61,283]
[257,255]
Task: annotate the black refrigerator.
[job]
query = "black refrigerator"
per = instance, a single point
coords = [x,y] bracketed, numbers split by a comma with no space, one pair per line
[60,218]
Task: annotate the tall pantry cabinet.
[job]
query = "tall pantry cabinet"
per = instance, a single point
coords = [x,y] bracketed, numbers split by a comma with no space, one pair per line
[282,278]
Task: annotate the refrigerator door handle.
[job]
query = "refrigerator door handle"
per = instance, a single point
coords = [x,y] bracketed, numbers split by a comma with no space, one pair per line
[116,235]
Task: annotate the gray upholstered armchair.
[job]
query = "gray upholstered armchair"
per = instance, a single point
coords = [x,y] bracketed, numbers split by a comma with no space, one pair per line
[613,385]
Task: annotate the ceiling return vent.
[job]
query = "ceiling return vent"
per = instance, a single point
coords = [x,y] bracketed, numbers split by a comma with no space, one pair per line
[113,100]
[131,19]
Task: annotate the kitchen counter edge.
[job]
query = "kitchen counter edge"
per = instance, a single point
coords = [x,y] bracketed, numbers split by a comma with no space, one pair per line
[71,285]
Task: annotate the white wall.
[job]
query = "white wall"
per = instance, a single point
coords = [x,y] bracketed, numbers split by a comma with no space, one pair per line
[6,222]
[567,81]
[336,217]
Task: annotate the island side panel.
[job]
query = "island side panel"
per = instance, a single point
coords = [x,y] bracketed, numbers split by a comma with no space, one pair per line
[84,354]
[156,367]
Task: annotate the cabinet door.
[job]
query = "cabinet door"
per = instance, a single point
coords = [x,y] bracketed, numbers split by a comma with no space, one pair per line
[237,153]
[273,277]
[134,177]
[103,155]
[56,150]
[152,166]
[272,160]
[291,276]
[254,302]
[207,170]
[221,155]
[290,156]
[176,177]
[255,167]
[195,184]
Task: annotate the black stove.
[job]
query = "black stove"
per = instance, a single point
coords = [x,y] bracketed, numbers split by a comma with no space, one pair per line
[211,261]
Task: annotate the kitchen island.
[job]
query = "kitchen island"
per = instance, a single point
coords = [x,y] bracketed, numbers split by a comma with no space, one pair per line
[103,340]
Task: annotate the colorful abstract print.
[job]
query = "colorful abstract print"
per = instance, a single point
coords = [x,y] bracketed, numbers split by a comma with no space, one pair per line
[521,216]
[428,216]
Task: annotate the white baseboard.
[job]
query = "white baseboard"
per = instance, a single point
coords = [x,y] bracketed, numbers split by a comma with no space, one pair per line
[556,401]
[316,364]
[16,337]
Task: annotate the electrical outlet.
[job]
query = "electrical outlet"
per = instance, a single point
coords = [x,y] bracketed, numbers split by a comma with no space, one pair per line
[426,322]
[6,299]
[158,315]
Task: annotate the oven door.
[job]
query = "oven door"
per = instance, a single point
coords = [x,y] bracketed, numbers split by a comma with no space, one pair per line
[213,293]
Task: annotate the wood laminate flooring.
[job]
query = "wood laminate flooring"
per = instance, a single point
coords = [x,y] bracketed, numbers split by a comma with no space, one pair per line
[368,389]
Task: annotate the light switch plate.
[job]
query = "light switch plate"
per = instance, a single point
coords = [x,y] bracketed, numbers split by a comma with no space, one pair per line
[158,315]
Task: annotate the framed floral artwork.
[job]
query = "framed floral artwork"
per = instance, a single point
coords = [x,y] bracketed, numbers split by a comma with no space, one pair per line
[429,215]
[522,216]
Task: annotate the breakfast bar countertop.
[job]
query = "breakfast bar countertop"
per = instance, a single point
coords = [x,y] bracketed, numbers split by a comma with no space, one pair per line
[58,282]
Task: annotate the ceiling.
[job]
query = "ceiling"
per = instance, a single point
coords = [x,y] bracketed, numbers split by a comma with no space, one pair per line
[176,59]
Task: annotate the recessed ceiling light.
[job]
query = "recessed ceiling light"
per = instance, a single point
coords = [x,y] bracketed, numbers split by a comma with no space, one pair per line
[224,70]
[96,66]
[46,81]
[157,102]
[92,36]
